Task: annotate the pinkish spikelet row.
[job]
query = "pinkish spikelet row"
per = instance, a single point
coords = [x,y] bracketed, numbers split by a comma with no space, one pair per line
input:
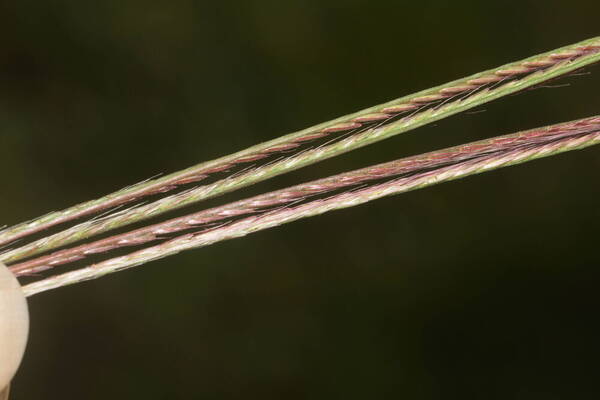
[283,198]
[289,214]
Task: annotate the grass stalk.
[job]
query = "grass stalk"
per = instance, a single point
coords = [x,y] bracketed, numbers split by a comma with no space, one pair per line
[529,145]
[366,127]
[298,193]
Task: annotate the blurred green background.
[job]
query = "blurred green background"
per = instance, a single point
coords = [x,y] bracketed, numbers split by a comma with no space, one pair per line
[480,288]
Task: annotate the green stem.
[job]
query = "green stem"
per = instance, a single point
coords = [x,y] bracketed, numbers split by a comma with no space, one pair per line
[524,74]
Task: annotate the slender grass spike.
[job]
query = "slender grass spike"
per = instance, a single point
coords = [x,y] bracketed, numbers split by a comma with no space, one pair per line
[373,124]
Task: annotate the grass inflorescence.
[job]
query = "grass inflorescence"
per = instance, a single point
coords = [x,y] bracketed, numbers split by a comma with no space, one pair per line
[283,215]
[296,150]
[406,167]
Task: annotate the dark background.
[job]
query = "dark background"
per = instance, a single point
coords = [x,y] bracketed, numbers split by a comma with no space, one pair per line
[480,288]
